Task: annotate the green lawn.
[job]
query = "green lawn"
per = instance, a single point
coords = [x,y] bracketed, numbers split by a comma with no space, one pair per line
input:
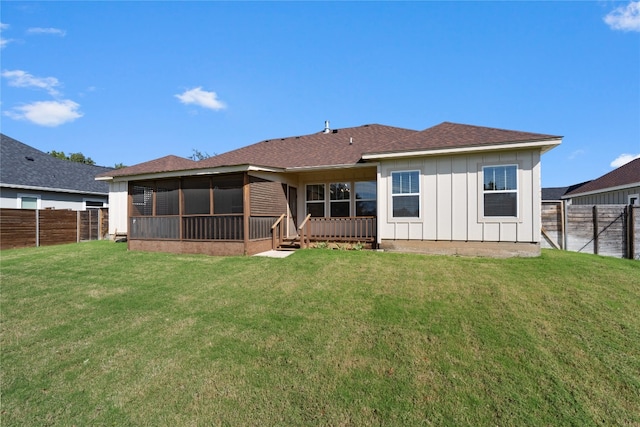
[94,335]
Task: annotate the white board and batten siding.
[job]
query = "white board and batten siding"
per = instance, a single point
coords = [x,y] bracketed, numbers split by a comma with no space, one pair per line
[451,199]
[118,207]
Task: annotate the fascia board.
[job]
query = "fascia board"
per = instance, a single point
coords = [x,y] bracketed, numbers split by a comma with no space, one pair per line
[190,172]
[52,189]
[329,167]
[545,145]
[602,190]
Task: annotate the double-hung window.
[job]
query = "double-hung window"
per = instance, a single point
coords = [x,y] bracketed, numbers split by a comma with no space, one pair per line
[366,195]
[405,194]
[340,199]
[500,191]
[315,199]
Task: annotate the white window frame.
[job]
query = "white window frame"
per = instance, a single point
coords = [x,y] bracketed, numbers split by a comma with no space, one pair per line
[323,201]
[356,200]
[482,193]
[632,197]
[349,185]
[392,195]
[85,200]
[32,196]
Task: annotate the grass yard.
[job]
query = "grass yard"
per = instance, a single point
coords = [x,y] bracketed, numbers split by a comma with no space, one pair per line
[94,335]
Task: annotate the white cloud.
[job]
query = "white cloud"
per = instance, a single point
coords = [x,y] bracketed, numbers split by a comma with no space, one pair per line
[577,153]
[623,159]
[19,78]
[52,31]
[3,41]
[202,98]
[47,113]
[625,18]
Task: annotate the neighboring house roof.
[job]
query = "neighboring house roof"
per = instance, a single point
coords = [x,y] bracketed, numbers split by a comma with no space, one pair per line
[627,175]
[349,146]
[22,166]
[556,193]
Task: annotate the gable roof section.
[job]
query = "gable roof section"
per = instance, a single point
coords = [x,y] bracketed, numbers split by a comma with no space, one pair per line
[22,166]
[338,147]
[455,136]
[346,147]
[627,175]
[163,164]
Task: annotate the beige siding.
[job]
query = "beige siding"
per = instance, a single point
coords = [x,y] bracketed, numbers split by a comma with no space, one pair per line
[451,199]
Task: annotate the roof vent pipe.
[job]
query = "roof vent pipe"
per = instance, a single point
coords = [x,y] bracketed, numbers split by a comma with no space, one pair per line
[326,126]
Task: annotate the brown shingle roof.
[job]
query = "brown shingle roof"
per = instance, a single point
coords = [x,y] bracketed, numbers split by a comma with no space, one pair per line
[163,164]
[455,135]
[338,147]
[625,175]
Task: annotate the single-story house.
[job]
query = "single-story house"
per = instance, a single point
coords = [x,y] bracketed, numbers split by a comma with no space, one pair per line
[32,179]
[451,188]
[621,186]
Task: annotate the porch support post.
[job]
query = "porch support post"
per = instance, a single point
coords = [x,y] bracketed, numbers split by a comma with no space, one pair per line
[246,210]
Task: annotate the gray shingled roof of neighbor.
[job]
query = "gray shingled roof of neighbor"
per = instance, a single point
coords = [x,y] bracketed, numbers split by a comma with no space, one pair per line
[625,175]
[22,166]
[345,146]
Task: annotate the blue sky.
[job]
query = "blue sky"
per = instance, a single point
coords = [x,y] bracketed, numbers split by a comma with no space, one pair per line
[133,81]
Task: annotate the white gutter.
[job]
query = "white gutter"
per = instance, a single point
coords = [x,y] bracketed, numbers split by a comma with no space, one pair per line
[545,145]
[51,189]
[602,190]
[325,167]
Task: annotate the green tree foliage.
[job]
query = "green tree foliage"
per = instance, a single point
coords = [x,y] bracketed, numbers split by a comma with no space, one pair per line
[119,166]
[73,157]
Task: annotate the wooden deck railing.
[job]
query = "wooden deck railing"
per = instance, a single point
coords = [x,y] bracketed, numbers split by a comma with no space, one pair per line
[154,227]
[218,227]
[346,229]
[277,232]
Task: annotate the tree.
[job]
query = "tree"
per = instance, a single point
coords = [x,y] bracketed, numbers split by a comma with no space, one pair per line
[199,155]
[73,157]
[119,166]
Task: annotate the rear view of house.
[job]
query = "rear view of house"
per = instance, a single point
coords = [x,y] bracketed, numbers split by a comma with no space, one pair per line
[451,188]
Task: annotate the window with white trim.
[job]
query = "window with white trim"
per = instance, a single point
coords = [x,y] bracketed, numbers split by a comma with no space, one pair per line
[634,199]
[315,200]
[405,194]
[29,202]
[366,198]
[500,188]
[340,199]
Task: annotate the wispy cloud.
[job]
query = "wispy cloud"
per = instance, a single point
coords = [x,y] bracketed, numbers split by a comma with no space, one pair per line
[52,31]
[575,154]
[3,41]
[623,159]
[19,78]
[201,98]
[625,18]
[47,113]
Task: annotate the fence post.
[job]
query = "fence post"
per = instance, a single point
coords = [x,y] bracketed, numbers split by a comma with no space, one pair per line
[37,228]
[595,229]
[630,233]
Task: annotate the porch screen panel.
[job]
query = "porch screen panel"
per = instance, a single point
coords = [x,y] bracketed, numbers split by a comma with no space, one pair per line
[196,196]
[142,199]
[227,194]
[167,198]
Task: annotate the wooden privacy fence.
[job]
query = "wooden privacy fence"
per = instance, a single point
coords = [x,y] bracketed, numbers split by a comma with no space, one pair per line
[611,230]
[21,228]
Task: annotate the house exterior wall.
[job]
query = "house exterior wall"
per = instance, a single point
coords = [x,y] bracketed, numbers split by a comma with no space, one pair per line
[11,198]
[451,199]
[118,202]
[617,197]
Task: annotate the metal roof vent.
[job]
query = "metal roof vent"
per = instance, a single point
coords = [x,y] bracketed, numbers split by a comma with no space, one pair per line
[335,131]
[327,129]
